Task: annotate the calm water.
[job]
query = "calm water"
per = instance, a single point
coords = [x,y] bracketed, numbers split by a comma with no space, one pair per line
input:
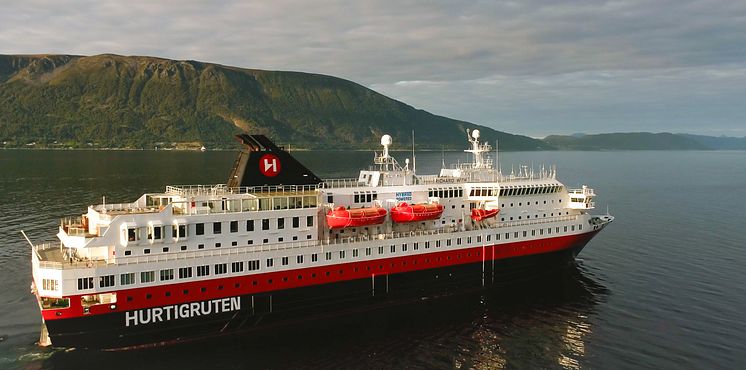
[663,287]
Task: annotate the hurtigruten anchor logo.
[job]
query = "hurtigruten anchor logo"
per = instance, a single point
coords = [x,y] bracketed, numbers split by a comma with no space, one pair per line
[182,311]
[269,164]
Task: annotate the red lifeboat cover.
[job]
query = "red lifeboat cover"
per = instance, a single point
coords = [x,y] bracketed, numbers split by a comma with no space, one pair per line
[341,217]
[405,212]
[478,214]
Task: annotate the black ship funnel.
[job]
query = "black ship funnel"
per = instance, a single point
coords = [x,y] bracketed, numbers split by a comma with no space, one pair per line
[261,162]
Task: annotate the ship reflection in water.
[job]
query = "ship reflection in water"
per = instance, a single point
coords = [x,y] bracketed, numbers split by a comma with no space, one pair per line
[542,323]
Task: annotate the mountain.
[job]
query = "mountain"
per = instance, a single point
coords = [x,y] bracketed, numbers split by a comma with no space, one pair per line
[719,142]
[134,101]
[625,141]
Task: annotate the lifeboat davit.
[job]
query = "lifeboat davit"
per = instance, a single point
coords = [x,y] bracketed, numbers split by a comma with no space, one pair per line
[342,217]
[405,212]
[478,214]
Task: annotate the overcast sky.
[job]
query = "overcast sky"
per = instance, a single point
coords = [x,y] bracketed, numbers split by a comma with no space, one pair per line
[528,67]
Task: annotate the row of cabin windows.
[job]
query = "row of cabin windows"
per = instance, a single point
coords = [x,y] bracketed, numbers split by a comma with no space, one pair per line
[530,190]
[217,245]
[535,216]
[156,232]
[253,265]
[365,197]
[262,204]
[520,204]
[233,226]
[445,192]
[483,192]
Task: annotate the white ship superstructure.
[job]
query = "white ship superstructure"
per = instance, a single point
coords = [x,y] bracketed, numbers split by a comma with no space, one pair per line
[201,260]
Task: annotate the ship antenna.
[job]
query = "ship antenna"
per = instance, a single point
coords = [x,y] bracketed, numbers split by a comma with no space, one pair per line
[414,159]
[443,156]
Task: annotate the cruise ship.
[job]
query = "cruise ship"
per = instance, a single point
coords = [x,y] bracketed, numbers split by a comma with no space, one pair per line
[276,243]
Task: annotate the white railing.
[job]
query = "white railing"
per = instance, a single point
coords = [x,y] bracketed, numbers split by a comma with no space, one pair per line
[222,189]
[341,183]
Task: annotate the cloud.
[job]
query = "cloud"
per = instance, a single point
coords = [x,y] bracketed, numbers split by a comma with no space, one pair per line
[543,65]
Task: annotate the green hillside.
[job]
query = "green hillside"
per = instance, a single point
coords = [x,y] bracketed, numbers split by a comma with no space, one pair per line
[625,141]
[132,101]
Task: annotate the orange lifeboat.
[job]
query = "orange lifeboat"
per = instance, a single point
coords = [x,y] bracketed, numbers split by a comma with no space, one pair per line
[342,217]
[478,214]
[405,212]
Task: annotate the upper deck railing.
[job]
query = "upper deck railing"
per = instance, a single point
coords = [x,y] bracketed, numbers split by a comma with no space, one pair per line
[222,189]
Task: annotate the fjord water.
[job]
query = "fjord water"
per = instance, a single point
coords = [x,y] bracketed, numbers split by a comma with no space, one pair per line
[664,286]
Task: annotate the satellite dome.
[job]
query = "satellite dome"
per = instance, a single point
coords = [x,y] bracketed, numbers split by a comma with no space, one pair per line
[475,134]
[386,139]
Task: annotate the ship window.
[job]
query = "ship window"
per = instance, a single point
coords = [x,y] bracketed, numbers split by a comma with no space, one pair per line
[393,249]
[234,244]
[221,268]
[253,266]
[314,257]
[217,245]
[437,244]
[507,236]
[179,231]
[580,227]
[497,236]
[342,254]
[127,253]
[147,277]
[296,222]
[468,240]
[203,270]
[299,259]
[448,242]
[328,256]
[146,251]
[416,246]
[183,247]
[533,232]
[249,225]
[165,249]
[284,261]
[167,274]
[217,227]
[265,224]
[356,197]
[133,234]
[265,241]
[369,197]
[127,279]
[479,238]
[515,234]
[281,203]
[354,253]
[380,250]
[155,233]
[270,262]
[106,281]
[427,245]
[525,233]
[489,237]
[573,228]
[280,223]
[185,272]
[367,251]
[200,246]
[237,266]
[458,241]
[309,221]
[234,226]
[549,230]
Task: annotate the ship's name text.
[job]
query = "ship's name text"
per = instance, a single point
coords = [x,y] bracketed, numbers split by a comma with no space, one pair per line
[182,311]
